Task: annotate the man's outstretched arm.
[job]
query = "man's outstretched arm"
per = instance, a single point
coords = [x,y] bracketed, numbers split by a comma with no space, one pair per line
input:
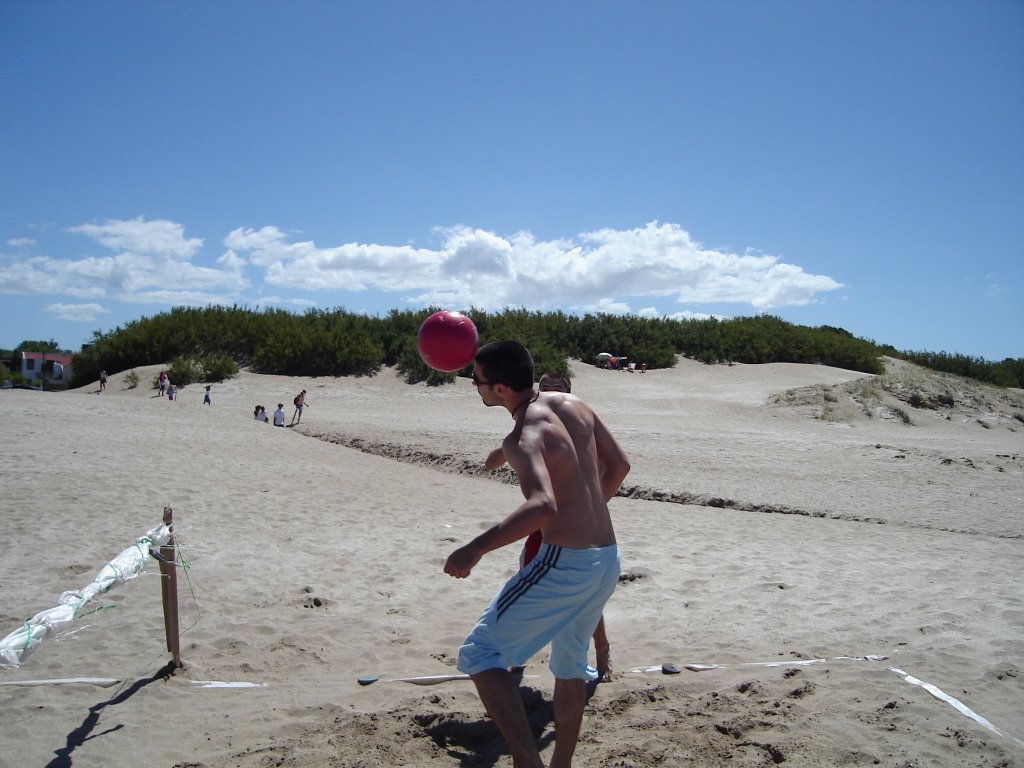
[537,509]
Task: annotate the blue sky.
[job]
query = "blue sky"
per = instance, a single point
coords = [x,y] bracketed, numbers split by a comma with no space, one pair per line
[850,164]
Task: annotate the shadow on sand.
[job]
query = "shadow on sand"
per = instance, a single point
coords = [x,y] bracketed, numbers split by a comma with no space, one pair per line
[477,743]
[84,732]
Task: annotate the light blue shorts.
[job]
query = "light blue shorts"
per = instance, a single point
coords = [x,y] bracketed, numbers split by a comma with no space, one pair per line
[557,598]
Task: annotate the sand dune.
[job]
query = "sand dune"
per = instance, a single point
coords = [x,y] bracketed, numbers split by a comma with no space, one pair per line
[780,513]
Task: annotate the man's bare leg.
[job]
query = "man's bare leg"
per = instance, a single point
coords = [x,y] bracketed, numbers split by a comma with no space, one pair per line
[501,698]
[570,699]
[604,653]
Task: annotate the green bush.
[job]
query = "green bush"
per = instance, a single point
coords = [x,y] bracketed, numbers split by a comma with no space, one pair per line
[185,370]
[219,368]
[410,365]
[1008,373]
[188,370]
[211,342]
[131,379]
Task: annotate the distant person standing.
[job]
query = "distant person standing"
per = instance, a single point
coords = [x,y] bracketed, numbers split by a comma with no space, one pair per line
[172,393]
[162,381]
[279,415]
[103,380]
[300,406]
[206,397]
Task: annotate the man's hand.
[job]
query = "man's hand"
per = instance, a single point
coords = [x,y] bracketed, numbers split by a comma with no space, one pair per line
[461,561]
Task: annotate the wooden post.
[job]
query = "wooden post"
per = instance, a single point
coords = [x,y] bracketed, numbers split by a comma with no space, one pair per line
[169,590]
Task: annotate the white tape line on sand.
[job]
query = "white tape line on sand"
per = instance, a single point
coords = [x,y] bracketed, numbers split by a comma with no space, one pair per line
[958,705]
[102,682]
[107,682]
[787,663]
[420,680]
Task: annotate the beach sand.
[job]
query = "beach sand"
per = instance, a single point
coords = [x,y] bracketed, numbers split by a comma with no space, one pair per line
[782,522]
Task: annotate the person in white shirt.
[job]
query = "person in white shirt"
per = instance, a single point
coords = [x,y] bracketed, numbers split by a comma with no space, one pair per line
[279,415]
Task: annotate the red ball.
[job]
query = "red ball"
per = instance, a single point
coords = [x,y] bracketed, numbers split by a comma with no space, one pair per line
[447,341]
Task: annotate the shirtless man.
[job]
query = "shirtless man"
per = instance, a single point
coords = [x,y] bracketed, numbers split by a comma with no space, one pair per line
[569,466]
[553,382]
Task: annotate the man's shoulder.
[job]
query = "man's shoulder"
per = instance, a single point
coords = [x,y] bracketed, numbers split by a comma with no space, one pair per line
[567,403]
[552,419]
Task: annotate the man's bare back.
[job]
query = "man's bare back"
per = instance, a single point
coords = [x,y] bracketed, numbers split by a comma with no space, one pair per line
[568,434]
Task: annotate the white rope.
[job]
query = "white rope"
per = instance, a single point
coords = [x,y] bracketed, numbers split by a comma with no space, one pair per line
[20,643]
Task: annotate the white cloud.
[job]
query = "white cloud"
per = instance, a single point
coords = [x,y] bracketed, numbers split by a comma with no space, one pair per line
[21,242]
[152,263]
[606,270]
[284,301]
[994,287]
[232,262]
[138,236]
[82,313]
[687,315]
[606,307]
[245,239]
[477,252]
[351,267]
[598,269]
[173,297]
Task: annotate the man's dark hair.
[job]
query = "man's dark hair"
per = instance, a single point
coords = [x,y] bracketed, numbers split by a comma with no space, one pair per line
[564,381]
[508,363]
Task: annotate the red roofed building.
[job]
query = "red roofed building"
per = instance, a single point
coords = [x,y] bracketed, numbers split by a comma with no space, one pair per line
[43,367]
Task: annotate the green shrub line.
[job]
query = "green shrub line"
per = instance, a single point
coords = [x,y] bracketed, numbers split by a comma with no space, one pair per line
[189,369]
[211,343]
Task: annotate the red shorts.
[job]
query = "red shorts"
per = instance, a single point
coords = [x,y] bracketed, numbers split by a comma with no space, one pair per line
[532,546]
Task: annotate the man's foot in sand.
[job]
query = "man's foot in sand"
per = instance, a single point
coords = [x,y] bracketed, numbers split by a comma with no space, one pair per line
[604,664]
